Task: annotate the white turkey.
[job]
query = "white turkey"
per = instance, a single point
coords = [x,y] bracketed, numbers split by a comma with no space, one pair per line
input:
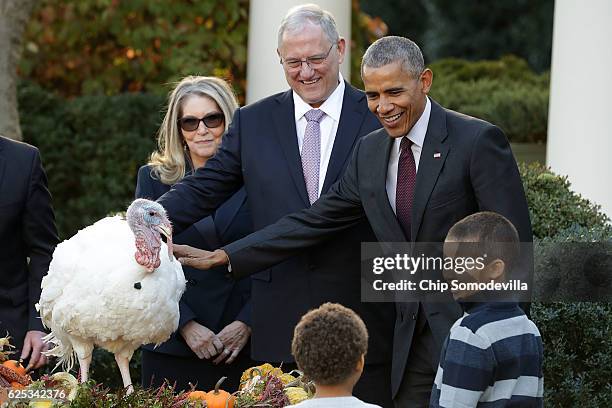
[114,284]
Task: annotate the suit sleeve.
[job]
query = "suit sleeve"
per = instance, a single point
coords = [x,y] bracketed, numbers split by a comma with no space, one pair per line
[202,231]
[40,235]
[199,195]
[497,182]
[243,288]
[340,208]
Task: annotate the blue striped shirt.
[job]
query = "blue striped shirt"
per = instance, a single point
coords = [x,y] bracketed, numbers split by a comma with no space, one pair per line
[491,358]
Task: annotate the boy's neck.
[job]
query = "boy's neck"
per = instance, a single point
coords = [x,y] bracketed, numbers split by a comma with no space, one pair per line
[338,390]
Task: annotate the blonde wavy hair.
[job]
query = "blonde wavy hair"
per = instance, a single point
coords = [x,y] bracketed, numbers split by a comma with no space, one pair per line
[168,162]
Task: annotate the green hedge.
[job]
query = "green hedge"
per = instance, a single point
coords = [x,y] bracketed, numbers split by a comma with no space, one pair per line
[91,149]
[577,336]
[505,92]
[552,205]
[577,353]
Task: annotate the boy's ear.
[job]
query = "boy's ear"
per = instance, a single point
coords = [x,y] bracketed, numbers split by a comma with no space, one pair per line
[360,364]
[495,269]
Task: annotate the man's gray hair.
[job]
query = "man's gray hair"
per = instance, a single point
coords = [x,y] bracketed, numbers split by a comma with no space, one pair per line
[388,50]
[299,16]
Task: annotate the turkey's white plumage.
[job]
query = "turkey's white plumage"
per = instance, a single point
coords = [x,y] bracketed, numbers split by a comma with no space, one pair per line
[96,293]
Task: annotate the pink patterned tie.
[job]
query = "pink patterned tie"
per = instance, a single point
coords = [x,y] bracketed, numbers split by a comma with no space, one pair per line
[406,180]
[311,152]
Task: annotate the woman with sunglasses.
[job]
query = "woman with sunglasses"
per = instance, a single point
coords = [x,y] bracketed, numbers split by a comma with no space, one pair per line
[214,325]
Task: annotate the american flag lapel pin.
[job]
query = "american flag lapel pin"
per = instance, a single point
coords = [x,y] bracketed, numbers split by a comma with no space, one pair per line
[437,155]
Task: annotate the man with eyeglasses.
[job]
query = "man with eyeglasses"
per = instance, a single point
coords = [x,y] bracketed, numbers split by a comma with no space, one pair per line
[287,150]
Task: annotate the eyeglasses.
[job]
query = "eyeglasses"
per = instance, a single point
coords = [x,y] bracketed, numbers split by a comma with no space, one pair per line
[190,123]
[312,62]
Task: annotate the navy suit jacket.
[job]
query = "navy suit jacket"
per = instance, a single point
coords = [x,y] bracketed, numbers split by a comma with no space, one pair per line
[27,229]
[260,152]
[466,166]
[212,298]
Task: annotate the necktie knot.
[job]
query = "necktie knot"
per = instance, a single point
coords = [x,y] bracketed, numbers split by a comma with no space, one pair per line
[314,115]
[405,144]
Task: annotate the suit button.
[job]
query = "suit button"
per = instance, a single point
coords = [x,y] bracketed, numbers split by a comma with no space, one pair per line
[191,282]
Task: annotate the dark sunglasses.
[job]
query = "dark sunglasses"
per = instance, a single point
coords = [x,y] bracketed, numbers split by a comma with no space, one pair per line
[190,123]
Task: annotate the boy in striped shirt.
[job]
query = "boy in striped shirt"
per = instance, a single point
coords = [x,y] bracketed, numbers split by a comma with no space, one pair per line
[493,355]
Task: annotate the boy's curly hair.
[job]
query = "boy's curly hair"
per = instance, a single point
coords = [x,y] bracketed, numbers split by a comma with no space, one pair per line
[328,342]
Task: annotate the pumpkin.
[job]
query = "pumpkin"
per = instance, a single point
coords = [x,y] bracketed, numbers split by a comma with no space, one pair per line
[15,366]
[197,395]
[219,398]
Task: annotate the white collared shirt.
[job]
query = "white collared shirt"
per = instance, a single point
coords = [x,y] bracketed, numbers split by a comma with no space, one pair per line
[417,136]
[329,124]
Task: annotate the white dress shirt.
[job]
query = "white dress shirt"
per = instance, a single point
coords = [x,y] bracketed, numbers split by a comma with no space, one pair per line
[417,136]
[329,125]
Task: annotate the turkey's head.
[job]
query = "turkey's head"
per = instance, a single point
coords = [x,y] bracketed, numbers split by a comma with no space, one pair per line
[148,221]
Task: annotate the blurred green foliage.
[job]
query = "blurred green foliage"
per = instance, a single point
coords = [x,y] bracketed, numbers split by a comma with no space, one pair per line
[577,341]
[405,18]
[364,31]
[489,30]
[553,206]
[577,336]
[472,30]
[80,47]
[505,92]
[91,148]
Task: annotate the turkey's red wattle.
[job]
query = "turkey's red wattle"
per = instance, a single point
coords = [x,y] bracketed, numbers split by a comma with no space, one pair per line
[148,245]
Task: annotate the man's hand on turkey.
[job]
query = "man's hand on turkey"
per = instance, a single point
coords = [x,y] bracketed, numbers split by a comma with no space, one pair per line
[199,258]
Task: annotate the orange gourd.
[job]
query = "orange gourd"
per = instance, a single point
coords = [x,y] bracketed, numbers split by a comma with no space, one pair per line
[219,398]
[15,366]
[197,395]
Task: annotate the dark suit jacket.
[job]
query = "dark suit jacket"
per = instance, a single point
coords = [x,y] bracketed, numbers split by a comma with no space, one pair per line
[476,171]
[212,298]
[27,229]
[260,151]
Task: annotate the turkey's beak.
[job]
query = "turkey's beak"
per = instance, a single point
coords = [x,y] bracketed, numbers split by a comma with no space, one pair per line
[166,230]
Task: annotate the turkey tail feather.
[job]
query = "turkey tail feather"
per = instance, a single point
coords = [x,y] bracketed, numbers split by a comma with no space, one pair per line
[62,348]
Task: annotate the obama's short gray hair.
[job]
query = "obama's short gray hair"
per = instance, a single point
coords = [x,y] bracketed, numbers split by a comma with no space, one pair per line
[298,16]
[390,49]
